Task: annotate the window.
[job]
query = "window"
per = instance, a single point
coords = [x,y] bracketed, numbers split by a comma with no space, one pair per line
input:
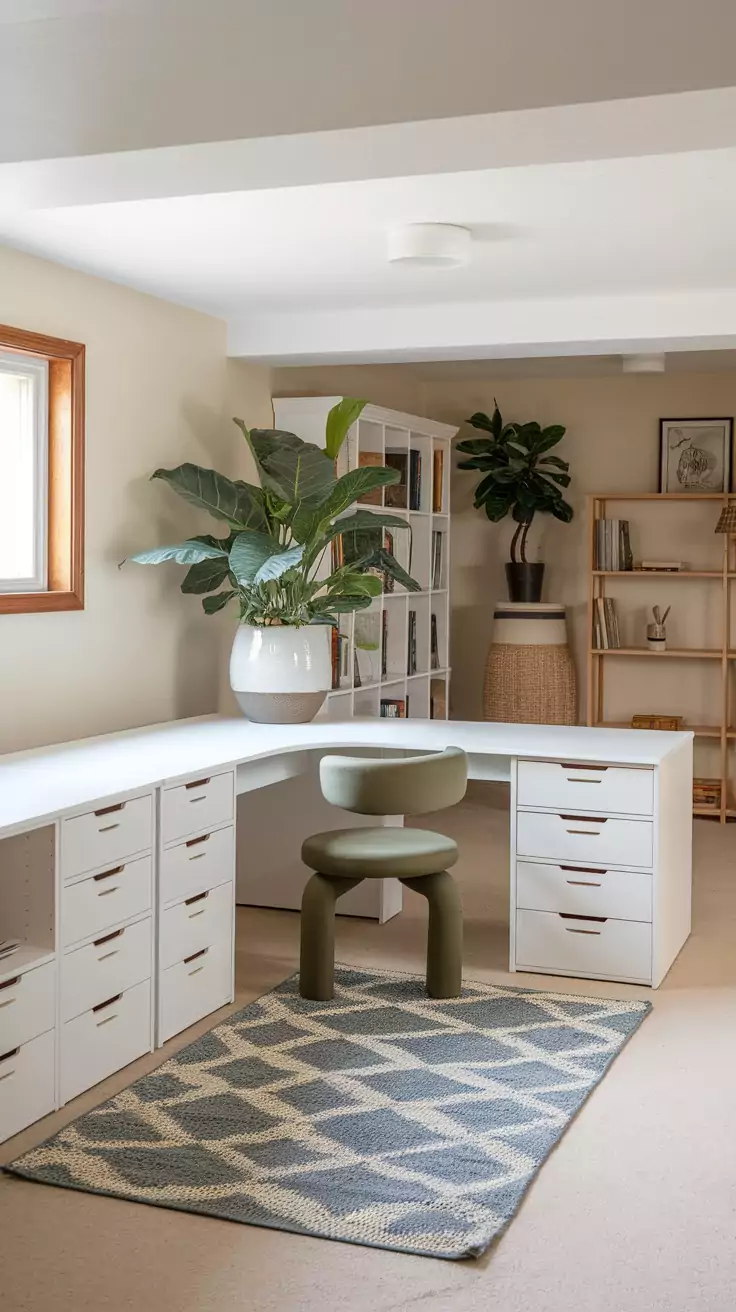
[42,472]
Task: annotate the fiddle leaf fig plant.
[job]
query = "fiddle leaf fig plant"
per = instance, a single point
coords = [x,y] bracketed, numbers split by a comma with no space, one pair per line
[520,477]
[273,562]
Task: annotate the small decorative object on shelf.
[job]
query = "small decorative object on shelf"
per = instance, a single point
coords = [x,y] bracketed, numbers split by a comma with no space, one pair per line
[695,455]
[671,723]
[656,632]
[519,478]
[727,520]
[707,793]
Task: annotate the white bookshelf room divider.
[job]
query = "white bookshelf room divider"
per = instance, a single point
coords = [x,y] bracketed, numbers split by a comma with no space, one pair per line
[382,671]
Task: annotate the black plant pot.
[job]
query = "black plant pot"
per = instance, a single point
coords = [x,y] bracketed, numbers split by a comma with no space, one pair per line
[524,580]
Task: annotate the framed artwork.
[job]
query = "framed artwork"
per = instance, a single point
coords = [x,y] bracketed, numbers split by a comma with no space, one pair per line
[695,455]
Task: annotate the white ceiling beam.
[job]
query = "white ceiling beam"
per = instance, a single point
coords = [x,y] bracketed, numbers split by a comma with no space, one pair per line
[654,125]
[592,325]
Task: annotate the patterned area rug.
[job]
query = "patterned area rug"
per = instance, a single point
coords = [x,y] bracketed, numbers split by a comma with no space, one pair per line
[382,1118]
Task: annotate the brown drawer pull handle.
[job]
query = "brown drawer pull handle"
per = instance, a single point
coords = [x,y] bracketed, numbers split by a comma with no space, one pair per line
[573,765]
[194,955]
[584,781]
[590,832]
[586,819]
[108,810]
[198,783]
[106,874]
[198,897]
[5,1056]
[569,915]
[101,1005]
[584,870]
[192,842]
[116,933]
[583,883]
[8,983]
[581,931]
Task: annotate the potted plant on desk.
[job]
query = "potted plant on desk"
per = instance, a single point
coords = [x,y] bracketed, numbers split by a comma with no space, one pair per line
[276,562]
[522,479]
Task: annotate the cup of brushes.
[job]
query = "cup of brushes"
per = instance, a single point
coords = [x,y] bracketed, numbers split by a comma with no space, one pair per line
[656,632]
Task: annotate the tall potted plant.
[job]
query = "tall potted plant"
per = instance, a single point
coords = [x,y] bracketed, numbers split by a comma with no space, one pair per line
[275,563]
[522,479]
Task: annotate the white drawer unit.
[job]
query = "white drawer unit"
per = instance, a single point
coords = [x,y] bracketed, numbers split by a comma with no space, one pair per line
[105,836]
[27,1083]
[104,1039]
[590,840]
[198,922]
[27,1006]
[197,806]
[105,899]
[573,945]
[602,789]
[584,890]
[194,987]
[111,964]
[197,864]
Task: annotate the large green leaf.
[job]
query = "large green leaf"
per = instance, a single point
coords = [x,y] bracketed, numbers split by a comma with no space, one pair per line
[239,504]
[211,605]
[277,564]
[206,576]
[348,582]
[548,437]
[383,560]
[339,421]
[249,553]
[313,517]
[295,470]
[343,605]
[562,510]
[190,552]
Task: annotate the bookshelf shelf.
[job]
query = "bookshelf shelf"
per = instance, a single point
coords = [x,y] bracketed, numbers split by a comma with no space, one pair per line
[712,609]
[377,640]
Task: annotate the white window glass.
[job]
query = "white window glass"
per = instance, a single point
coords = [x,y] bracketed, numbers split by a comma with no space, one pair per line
[23,473]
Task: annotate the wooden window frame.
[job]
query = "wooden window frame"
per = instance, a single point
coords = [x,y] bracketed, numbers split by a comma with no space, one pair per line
[65,532]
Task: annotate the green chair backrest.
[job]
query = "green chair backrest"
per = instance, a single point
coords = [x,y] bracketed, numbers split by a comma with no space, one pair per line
[410,786]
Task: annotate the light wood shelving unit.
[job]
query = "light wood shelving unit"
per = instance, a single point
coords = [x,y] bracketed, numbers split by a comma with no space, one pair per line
[722,731]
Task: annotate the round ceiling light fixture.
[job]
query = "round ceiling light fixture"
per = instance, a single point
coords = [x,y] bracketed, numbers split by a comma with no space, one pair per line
[429,245]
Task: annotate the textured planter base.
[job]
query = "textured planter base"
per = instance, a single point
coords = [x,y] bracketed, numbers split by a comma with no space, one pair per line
[524,581]
[280,707]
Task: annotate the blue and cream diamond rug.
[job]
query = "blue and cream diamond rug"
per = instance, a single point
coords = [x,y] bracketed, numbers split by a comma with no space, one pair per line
[382,1118]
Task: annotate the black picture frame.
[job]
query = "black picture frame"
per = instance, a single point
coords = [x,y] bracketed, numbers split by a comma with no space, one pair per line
[697,478]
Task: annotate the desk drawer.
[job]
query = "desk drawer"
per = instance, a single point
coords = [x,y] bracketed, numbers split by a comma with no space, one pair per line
[197,864]
[112,964]
[570,787]
[27,1006]
[621,949]
[200,921]
[27,1084]
[195,807]
[103,1040]
[583,890]
[103,837]
[194,988]
[590,840]
[105,899]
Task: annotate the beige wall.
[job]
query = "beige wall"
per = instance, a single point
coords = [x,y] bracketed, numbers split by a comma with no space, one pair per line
[159,391]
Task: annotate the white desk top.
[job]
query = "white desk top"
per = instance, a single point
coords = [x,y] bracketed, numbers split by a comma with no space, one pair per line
[38,785]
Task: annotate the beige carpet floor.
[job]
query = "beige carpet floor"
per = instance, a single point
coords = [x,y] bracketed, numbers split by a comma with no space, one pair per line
[634,1212]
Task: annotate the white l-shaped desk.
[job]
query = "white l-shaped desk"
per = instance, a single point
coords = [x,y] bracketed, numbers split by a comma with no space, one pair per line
[117,872]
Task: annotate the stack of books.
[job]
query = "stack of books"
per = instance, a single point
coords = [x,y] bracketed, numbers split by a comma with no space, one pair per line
[613,545]
[606,634]
[707,792]
[393,708]
[411,650]
[436,561]
[407,493]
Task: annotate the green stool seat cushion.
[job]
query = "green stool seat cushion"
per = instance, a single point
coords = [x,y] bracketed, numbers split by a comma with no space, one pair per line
[379,853]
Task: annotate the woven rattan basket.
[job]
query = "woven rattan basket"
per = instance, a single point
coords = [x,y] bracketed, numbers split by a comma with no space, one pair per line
[530,673]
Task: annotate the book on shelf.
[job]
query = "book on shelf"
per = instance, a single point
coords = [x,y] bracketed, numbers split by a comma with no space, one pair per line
[384,644]
[393,708]
[411,651]
[606,633]
[438,480]
[437,699]
[434,646]
[613,545]
[340,658]
[394,494]
[661,566]
[369,460]
[415,480]
[436,561]
[662,722]
[356,670]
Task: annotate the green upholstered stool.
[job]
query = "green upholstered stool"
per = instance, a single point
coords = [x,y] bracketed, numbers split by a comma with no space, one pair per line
[341,858]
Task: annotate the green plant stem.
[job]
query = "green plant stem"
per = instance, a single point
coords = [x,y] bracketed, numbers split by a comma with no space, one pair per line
[524,532]
[514,541]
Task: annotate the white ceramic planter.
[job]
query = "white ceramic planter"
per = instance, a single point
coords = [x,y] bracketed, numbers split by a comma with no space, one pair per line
[281,675]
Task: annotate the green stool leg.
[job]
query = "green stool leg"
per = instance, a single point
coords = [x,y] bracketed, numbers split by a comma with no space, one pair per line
[445,934]
[317,953]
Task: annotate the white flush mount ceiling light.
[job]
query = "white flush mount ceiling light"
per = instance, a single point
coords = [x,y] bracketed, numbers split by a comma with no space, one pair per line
[429,245]
[653,363]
